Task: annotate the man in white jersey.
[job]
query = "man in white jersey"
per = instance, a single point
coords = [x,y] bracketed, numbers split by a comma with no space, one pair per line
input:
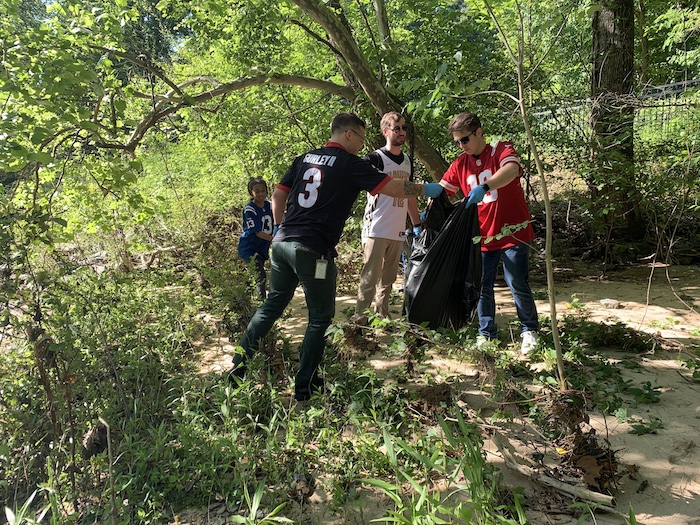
[384,224]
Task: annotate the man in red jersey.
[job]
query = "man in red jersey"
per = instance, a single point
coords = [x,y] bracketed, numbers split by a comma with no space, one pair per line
[490,175]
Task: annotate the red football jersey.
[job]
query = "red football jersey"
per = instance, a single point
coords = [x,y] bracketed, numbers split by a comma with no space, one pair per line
[503,206]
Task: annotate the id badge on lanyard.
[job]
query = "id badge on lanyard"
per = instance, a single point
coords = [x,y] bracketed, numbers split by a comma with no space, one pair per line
[321,268]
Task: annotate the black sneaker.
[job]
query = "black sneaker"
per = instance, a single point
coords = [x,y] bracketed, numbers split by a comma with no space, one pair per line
[302,396]
[316,386]
[237,374]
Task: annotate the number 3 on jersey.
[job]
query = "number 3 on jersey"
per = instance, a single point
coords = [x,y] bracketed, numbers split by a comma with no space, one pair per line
[483,177]
[309,195]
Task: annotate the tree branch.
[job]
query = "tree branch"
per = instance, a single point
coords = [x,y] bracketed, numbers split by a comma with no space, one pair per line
[141,63]
[501,33]
[318,37]
[490,92]
[170,103]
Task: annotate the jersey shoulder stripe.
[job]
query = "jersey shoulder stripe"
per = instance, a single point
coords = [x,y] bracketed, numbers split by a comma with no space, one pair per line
[510,159]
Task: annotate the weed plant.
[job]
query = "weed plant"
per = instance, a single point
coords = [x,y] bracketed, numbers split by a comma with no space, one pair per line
[122,348]
[454,482]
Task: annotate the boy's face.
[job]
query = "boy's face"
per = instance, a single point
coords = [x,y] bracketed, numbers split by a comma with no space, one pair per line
[259,193]
[470,142]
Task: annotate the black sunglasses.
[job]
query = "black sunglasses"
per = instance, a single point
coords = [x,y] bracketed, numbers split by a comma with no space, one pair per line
[464,139]
[396,129]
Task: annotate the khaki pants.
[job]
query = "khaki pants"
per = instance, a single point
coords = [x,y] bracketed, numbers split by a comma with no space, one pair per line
[381,262]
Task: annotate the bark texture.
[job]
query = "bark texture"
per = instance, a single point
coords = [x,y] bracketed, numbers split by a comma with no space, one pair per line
[378,95]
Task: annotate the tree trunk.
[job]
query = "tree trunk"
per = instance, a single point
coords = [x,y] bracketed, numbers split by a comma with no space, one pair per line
[382,23]
[376,92]
[612,181]
[644,43]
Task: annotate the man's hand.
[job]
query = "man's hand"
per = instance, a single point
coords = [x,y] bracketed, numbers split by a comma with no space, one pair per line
[433,189]
[417,230]
[475,196]
[275,229]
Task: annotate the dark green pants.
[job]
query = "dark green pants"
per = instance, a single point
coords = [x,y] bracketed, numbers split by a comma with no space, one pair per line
[292,263]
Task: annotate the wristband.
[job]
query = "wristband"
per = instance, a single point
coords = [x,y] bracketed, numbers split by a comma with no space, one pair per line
[486,187]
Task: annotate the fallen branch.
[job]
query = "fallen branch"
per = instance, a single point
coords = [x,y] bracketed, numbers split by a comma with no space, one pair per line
[603,501]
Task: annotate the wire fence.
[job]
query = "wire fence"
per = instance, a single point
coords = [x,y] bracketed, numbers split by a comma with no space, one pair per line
[662,112]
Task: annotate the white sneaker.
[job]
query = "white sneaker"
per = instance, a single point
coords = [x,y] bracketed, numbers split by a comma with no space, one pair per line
[484,343]
[529,342]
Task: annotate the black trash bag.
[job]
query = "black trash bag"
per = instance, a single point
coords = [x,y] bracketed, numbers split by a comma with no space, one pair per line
[444,275]
[436,213]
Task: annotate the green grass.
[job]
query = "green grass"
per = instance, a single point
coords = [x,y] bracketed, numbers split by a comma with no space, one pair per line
[121,348]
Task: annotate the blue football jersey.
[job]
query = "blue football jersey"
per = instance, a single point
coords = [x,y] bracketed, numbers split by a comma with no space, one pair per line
[255,219]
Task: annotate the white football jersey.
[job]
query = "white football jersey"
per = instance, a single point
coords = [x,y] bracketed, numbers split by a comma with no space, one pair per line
[385,217]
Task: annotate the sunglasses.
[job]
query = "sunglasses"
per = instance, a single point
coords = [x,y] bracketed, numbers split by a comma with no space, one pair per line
[396,129]
[464,139]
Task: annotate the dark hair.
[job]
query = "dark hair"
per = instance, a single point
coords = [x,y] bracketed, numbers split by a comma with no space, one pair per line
[465,121]
[344,121]
[254,181]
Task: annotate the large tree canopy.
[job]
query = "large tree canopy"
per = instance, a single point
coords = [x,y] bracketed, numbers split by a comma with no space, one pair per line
[86,86]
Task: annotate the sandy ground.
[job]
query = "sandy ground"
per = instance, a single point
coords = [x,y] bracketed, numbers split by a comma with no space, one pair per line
[662,300]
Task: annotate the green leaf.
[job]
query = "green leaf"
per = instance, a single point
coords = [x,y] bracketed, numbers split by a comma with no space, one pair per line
[441,71]
[86,124]
[39,135]
[17,151]
[41,156]
[593,9]
[389,444]
[379,483]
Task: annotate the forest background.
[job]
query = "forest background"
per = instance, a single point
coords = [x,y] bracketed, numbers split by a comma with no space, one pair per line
[128,130]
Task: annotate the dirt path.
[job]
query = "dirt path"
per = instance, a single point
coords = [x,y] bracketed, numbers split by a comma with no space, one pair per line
[665,487]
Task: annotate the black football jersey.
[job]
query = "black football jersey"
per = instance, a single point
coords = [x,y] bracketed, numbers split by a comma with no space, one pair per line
[323,185]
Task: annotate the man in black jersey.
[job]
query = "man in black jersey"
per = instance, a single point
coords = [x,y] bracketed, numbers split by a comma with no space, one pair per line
[310,206]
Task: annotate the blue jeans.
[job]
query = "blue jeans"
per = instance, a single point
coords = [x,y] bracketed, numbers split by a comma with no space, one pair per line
[292,263]
[515,271]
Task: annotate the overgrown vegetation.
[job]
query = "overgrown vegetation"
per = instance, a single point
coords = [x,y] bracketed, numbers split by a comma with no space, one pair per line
[105,410]
[122,176]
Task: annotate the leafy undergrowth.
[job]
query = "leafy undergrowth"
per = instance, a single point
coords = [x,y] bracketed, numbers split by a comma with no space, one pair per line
[105,415]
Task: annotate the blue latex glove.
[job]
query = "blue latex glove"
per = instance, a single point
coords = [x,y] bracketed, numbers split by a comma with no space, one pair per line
[417,230]
[275,229]
[423,215]
[433,190]
[475,196]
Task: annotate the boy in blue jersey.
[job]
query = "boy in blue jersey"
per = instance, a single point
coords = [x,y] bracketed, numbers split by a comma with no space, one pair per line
[257,232]
[312,202]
